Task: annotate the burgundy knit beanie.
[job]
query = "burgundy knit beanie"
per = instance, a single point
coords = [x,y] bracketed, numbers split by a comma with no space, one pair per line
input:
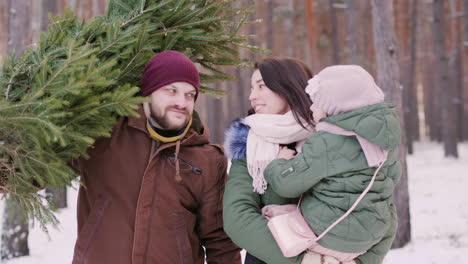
[168,67]
[343,88]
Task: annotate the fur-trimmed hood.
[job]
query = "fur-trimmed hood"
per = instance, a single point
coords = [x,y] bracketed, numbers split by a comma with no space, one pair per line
[235,140]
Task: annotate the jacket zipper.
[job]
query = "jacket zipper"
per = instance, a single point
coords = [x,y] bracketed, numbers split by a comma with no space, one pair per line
[151,156]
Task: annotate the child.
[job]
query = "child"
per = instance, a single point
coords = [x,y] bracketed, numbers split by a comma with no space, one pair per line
[354,148]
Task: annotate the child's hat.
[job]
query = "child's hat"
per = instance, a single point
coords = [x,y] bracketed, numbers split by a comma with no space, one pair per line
[343,88]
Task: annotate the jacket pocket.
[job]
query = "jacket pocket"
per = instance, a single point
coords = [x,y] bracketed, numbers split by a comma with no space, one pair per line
[184,249]
[88,231]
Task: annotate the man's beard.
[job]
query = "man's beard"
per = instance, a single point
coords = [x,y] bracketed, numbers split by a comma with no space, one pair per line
[164,122]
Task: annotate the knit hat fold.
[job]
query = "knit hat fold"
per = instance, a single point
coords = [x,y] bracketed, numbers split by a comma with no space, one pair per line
[343,88]
[168,67]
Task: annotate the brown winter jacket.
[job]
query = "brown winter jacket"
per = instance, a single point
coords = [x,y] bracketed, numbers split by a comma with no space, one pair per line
[132,210]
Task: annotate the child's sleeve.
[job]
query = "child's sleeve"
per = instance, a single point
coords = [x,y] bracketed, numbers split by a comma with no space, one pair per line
[291,178]
[376,254]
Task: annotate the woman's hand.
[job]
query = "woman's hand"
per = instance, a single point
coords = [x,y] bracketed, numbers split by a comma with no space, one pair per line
[286,153]
[315,258]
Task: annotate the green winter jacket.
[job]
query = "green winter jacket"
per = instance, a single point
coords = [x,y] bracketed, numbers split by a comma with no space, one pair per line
[246,226]
[332,172]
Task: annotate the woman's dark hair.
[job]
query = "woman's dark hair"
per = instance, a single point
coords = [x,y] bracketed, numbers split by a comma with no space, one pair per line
[288,78]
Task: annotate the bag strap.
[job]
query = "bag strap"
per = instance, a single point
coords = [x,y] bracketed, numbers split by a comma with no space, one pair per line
[299,202]
[355,203]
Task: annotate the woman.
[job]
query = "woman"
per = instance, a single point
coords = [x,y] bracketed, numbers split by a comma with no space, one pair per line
[282,118]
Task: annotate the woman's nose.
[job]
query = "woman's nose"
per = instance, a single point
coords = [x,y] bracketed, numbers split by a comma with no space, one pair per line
[253,95]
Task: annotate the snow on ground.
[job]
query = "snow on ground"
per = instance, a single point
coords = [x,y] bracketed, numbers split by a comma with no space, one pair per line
[59,248]
[438,204]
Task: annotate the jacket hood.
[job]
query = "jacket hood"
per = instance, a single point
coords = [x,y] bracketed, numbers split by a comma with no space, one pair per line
[378,123]
[198,135]
[235,140]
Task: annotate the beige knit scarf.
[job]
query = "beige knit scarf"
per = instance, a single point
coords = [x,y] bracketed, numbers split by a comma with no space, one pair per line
[267,133]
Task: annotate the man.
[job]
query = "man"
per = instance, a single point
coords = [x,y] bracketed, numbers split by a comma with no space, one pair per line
[152,193]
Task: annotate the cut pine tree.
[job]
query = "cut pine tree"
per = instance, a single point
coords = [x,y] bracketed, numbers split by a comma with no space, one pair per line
[83,75]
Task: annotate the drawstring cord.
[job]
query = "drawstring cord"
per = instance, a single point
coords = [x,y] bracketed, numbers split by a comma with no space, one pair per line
[177,164]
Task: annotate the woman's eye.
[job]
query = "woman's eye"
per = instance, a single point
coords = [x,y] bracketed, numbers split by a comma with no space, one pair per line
[191,95]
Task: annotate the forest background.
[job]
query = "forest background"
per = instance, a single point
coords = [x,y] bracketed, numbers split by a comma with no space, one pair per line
[416,49]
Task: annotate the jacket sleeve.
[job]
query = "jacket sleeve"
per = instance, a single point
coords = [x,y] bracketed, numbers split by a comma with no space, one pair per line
[219,247]
[243,221]
[291,178]
[377,253]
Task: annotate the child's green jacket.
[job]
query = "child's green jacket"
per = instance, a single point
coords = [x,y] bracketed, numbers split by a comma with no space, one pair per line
[332,172]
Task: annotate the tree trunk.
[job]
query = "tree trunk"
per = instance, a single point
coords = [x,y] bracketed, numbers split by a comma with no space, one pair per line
[48,6]
[15,229]
[269,24]
[278,29]
[456,78]
[429,94]
[312,33]
[61,4]
[299,27]
[238,102]
[459,85]
[99,7]
[19,17]
[288,27]
[57,196]
[368,39]
[465,53]
[247,72]
[215,119]
[410,99]
[432,113]
[388,77]
[448,119]
[352,18]
[401,18]
[4,29]
[335,37]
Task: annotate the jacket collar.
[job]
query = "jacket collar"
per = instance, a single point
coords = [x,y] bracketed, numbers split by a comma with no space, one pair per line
[197,135]
[140,121]
[235,140]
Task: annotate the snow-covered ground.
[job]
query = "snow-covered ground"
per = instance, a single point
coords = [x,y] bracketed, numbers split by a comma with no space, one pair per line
[438,202]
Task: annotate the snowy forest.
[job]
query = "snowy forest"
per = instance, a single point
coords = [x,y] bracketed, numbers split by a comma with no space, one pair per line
[417,50]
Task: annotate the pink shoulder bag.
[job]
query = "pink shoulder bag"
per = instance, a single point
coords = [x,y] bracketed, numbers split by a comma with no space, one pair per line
[294,235]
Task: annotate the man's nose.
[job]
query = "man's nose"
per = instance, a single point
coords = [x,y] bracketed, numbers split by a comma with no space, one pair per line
[180,100]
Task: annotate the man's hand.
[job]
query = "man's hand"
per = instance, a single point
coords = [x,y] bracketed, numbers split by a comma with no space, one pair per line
[286,153]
